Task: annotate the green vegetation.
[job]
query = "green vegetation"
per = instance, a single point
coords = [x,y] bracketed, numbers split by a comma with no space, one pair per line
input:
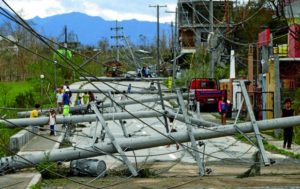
[199,68]
[10,90]
[51,170]
[270,147]
[36,186]
[5,134]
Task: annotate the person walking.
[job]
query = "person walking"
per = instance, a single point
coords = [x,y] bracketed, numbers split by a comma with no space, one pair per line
[66,98]
[129,88]
[91,96]
[78,103]
[85,98]
[59,100]
[52,121]
[287,111]
[222,109]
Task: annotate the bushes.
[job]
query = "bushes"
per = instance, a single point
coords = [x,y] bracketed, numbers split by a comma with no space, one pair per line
[25,99]
[51,170]
[5,134]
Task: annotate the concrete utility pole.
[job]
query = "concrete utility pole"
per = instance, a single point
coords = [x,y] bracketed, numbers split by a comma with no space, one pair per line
[105,79]
[73,153]
[277,97]
[131,52]
[24,122]
[108,104]
[250,68]
[117,37]
[158,34]
[211,30]
[66,40]
[175,47]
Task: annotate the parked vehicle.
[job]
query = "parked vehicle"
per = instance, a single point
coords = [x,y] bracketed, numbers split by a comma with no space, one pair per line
[207,92]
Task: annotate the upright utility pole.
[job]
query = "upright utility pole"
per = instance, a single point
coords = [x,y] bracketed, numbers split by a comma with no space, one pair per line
[66,38]
[158,32]
[211,30]
[66,42]
[117,37]
[174,44]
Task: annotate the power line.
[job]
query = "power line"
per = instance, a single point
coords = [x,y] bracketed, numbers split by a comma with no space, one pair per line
[100,91]
[158,60]
[117,37]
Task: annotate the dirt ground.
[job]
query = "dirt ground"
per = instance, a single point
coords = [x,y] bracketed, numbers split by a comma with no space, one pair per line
[169,175]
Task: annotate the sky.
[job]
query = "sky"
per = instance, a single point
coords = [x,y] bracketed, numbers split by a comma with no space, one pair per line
[107,9]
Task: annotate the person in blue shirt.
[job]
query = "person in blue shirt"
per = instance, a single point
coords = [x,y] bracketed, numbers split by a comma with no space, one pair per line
[66,98]
[79,101]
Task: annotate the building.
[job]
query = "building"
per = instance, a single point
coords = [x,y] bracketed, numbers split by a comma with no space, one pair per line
[289,60]
[194,24]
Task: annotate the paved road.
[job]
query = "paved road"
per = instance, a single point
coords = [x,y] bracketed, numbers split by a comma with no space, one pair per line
[215,149]
[225,149]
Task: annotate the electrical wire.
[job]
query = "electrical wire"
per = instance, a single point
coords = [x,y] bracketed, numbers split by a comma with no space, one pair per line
[146,124]
[52,172]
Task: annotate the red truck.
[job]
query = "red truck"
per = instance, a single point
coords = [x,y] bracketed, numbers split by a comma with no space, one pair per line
[207,92]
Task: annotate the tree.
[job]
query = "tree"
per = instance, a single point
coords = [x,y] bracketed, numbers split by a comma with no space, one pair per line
[103,44]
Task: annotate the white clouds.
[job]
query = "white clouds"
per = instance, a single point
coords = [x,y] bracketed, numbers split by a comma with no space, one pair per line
[31,8]
[109,10]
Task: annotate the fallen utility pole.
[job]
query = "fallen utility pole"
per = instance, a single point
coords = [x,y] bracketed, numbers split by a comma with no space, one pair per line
[122,78]
[24,122]
[117,91]
[73,153]
[108,104]
[113,139]
[60,119]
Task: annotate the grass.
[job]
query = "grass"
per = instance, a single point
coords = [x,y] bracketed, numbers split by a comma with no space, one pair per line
[5,134]
[14,88]
[269,147]
[296,136]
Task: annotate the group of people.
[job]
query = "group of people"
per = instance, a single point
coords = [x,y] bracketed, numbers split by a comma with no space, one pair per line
[63,106]
[145,72]
[63,100]
[52,117]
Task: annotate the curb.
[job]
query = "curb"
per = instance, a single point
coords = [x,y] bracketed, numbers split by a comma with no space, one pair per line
[60,139]
[35,180]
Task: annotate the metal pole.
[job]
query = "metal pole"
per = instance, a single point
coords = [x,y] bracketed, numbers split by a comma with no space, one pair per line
[163,106]
[117,91]
[254,124]
[175,51]
[67,154]
[190,132]
[117,109]
[55,75]
[113,139]
[211,30]
[158,36]
[23,122]
[108,104]
[121,79]
[277,96]
[117,36]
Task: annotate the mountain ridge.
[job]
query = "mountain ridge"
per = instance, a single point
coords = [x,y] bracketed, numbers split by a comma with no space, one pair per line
[91,29]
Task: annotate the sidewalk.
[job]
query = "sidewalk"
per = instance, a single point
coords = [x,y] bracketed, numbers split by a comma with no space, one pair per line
[279,144]
[42,142]
[38,143]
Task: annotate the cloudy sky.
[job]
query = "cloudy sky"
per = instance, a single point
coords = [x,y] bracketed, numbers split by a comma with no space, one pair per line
[107,9]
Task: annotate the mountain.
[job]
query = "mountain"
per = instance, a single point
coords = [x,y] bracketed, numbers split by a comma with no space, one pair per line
[91,29]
